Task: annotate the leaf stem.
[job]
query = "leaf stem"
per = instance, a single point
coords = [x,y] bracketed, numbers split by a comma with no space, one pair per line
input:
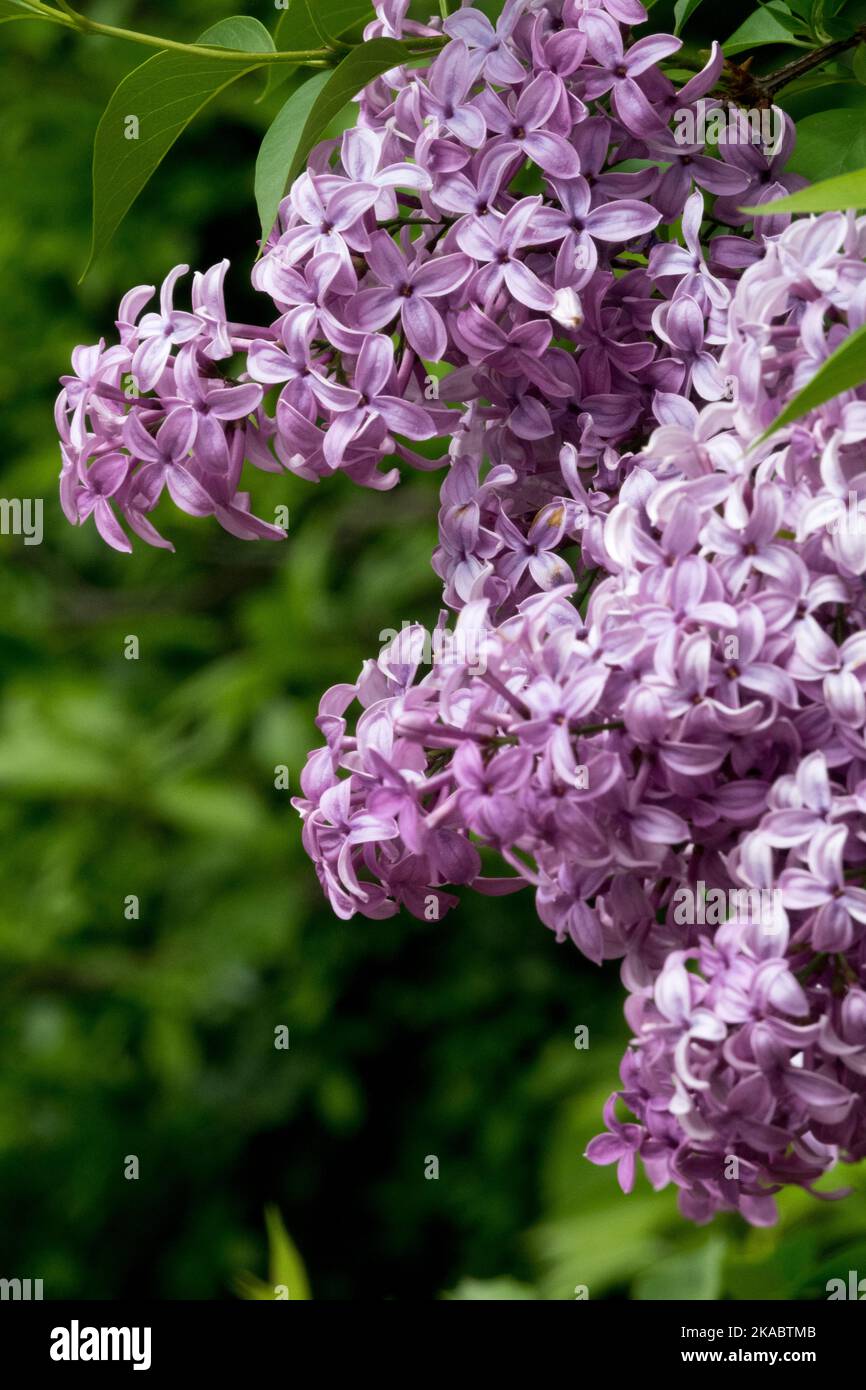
[307,57]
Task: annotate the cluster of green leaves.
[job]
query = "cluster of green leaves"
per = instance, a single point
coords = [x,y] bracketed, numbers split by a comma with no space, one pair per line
[169,90]
[155,103]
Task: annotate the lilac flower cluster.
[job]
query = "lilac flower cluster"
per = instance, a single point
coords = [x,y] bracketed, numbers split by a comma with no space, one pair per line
[157,412]
[700,720]
[476,255]
[657,677]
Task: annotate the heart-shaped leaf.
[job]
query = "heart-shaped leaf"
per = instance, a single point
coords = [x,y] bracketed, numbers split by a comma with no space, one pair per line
[151,107]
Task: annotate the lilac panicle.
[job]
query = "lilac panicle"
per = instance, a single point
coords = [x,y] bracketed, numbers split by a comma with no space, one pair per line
[646,698]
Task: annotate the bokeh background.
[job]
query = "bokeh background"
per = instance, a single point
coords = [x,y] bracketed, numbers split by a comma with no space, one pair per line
[155,1037]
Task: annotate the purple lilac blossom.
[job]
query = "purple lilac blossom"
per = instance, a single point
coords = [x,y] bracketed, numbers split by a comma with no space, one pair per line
[656,680]
[699,721]
[415,220]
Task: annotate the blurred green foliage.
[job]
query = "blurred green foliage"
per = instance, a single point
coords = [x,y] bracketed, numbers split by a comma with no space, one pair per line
[155,778]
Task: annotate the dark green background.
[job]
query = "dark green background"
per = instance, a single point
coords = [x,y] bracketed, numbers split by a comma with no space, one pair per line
[155,777]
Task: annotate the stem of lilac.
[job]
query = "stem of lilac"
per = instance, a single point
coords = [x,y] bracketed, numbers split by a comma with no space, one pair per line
[438,780]
[817,963]
[524,870]
[439,736]
[751,90]
[785,330]
[405,370]
[113,393]
[250,330]
[442,812]
[513,700]
[395,223]
[584,593]
[308,57]
[73,20]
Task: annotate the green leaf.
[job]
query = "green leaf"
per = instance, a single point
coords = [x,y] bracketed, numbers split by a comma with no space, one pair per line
[830,142]
[296,30]
[683,11]
[276,150]
[203,806]
[830,195]
[491,1290]
[793,24]
[240,32]
[285,1267]
[811,82]
[843,370]
[162,96]
[822,9]
[769,24]
[693,1275]
[859,63]
[306,115]
[17,9]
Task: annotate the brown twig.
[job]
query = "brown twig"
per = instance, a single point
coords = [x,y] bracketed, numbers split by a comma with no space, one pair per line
[751,89]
